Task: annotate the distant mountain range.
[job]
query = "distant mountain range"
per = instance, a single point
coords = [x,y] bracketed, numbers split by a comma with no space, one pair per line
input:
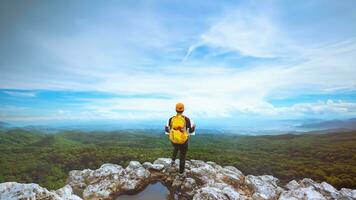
[349,124]
[293,127]
[4,125]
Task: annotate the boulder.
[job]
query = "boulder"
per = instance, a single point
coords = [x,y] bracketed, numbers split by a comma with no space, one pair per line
[347,194]
[147,165]
[109,180]
[163,161]
[228,190]
[108,170]
[210,193]
[66,192]
[213,164]
[101,190]
[78,180]
[307,189]
[202,172]
[201,180]
[292,185]
[305,193]
[188,186]
[263,187]
[328,190]
[15,191]
[136,178]
[231,175]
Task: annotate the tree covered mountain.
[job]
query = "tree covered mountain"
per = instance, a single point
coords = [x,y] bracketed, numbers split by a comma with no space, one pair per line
[28,156]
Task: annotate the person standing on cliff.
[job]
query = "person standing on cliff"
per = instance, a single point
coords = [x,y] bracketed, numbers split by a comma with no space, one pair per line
[179,128]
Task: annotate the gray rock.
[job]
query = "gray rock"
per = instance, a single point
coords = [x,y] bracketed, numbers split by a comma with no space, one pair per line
[136,178]
[328,190]
[98,184]
[197,163]
[78,180]
[232,193]
[188,186]
[203,172]
[292,185]
[308,189]
[228,190]
[263,187]
[147,165]
[231,175]
[304,193]
[101,190]
[163,161]
[347,194]
[213,164]
[66,192]
[134,165]
[202,180]
[15,191]
[157,167]
[210,193]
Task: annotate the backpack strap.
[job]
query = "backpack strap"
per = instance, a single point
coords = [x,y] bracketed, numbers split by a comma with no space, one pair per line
[185,122]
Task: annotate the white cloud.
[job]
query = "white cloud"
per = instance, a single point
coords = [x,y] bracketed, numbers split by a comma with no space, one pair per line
[250,32]
[21,93]
[320,108]
[132,60]
[218,91]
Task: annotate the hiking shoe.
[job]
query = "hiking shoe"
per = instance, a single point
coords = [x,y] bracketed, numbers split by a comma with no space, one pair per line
[173,163]
[178,180]
[182,176]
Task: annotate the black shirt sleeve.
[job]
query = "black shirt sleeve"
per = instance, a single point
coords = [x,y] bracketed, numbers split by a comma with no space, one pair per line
[189,125]
[168,126]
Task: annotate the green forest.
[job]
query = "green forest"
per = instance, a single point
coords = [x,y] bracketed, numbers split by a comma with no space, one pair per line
[30,156]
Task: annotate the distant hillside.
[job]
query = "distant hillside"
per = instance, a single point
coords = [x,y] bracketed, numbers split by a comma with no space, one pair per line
[18,138]
[28,156]
[54,141]
[348,124]
[4,125]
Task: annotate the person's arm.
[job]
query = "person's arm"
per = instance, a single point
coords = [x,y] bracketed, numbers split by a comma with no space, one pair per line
[189,125]
[168,126]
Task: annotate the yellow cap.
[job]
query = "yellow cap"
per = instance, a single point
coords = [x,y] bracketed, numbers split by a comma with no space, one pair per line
[179,107]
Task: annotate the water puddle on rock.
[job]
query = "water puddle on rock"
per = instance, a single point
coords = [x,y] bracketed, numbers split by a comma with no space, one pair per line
[155,191]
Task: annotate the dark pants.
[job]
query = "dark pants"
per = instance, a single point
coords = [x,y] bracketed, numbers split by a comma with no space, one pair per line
[183,148]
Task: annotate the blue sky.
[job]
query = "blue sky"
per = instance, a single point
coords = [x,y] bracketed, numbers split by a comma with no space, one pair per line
[242,62]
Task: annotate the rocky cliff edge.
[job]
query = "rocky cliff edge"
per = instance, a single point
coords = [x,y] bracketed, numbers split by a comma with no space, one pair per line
[202,181]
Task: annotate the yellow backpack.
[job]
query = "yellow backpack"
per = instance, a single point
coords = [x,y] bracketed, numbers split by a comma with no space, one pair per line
[178,133]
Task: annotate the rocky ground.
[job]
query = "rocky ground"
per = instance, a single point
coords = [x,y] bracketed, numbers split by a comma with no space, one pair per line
[202,181]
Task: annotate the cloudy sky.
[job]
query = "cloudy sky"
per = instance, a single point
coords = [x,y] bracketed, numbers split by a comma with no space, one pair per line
[230,61]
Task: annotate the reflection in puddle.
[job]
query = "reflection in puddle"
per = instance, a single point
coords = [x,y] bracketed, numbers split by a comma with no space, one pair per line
[155,191]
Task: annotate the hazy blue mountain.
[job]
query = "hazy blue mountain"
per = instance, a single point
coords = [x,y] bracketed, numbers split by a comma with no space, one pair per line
[348,124]
[4,125]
